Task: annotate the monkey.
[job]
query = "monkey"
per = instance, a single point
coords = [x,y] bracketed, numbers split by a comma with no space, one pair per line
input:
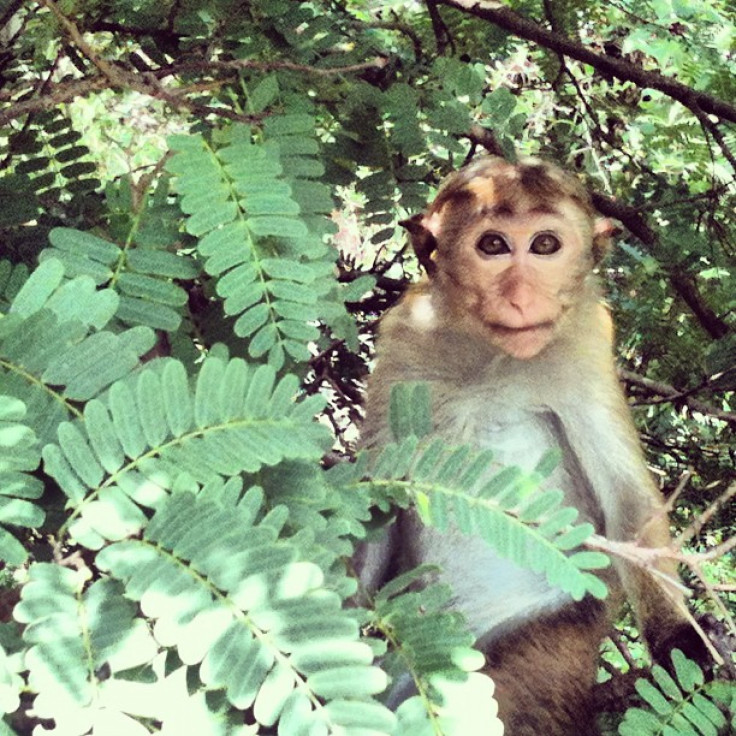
[509,331]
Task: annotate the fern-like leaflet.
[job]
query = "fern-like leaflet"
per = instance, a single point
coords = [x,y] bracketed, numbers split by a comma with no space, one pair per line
[431,655]
[271,270]
[19,456]
[143,278]
[464,487]
[683,705]
[236,602]
[231,597]
[154,431]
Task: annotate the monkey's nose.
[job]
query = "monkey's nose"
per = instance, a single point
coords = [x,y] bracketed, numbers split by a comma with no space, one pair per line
[520,295]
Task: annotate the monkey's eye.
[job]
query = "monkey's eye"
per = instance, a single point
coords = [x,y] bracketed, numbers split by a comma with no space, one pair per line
[493,244]
[545,244]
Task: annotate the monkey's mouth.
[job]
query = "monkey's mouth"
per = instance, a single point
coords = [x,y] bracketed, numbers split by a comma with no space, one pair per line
[525,329]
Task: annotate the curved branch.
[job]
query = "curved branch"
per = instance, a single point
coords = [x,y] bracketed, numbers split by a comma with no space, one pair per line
[682,283]
[503,17]
[710,127]
[442,35]
[107,69]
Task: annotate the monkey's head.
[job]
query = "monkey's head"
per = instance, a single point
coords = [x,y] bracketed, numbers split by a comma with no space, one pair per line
[508,247]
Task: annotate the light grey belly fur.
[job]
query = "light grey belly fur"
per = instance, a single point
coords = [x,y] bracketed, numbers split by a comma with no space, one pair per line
[489,590]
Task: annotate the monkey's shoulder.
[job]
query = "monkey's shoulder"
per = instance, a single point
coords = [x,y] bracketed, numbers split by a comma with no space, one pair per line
[416,311]
[417,342]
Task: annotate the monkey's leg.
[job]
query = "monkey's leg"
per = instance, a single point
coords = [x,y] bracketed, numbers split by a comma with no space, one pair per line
[545,671]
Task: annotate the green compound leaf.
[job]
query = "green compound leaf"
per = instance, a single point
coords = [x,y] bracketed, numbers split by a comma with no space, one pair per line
[19,456]
[252,619]
[260,217]
[131,448]
[685,706]
[141,277]
[72,633]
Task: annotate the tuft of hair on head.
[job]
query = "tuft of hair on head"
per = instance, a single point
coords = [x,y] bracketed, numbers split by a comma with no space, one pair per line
[494,180]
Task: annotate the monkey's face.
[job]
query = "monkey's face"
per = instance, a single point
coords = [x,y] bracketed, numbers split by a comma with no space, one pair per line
[513,273]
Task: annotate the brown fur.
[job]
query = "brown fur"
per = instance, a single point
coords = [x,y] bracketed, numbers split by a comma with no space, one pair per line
[545,673]
[493,181]
[517,350]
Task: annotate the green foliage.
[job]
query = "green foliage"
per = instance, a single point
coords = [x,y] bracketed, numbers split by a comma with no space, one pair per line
[685,705]
[71,634]
[52,163]
[151,431]
[432,647]
[19,456]
[138,465]
[236,602]
[67,360]
[182,324]
[463,488]
[230,596]
[143,278]
[246,216]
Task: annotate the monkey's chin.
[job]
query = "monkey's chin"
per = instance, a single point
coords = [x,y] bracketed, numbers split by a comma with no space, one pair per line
[523,343]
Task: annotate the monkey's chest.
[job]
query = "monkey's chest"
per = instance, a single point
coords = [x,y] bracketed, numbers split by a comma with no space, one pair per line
[489,590]
[516,437]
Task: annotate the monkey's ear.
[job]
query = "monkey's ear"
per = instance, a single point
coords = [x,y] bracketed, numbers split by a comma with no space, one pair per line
[423,241]
[603,230]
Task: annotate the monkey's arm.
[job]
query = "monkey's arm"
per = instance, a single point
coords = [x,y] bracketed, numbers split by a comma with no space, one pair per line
[598,426]
[606,444]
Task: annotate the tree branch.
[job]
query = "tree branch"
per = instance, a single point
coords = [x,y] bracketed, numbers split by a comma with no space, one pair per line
[503,17]
[442,36]
[702,519]
[647,558]
[56,94]
[710,127]
[688,291]
[670,393]
[682,283]
[107,69]
[208,66]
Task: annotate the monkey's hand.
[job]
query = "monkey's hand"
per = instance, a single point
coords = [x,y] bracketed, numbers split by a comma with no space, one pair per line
[689,641]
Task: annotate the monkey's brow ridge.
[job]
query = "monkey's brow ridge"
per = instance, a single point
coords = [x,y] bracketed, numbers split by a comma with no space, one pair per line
[507,209]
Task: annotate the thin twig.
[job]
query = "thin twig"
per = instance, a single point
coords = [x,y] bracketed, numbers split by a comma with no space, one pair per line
[697,526]
[670,393]
[623,650]
[682,484]
[694,564]
[647,558]
[442,35]
[209,66]
[146,84]
[110,71]
[710,127]
[720,550]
